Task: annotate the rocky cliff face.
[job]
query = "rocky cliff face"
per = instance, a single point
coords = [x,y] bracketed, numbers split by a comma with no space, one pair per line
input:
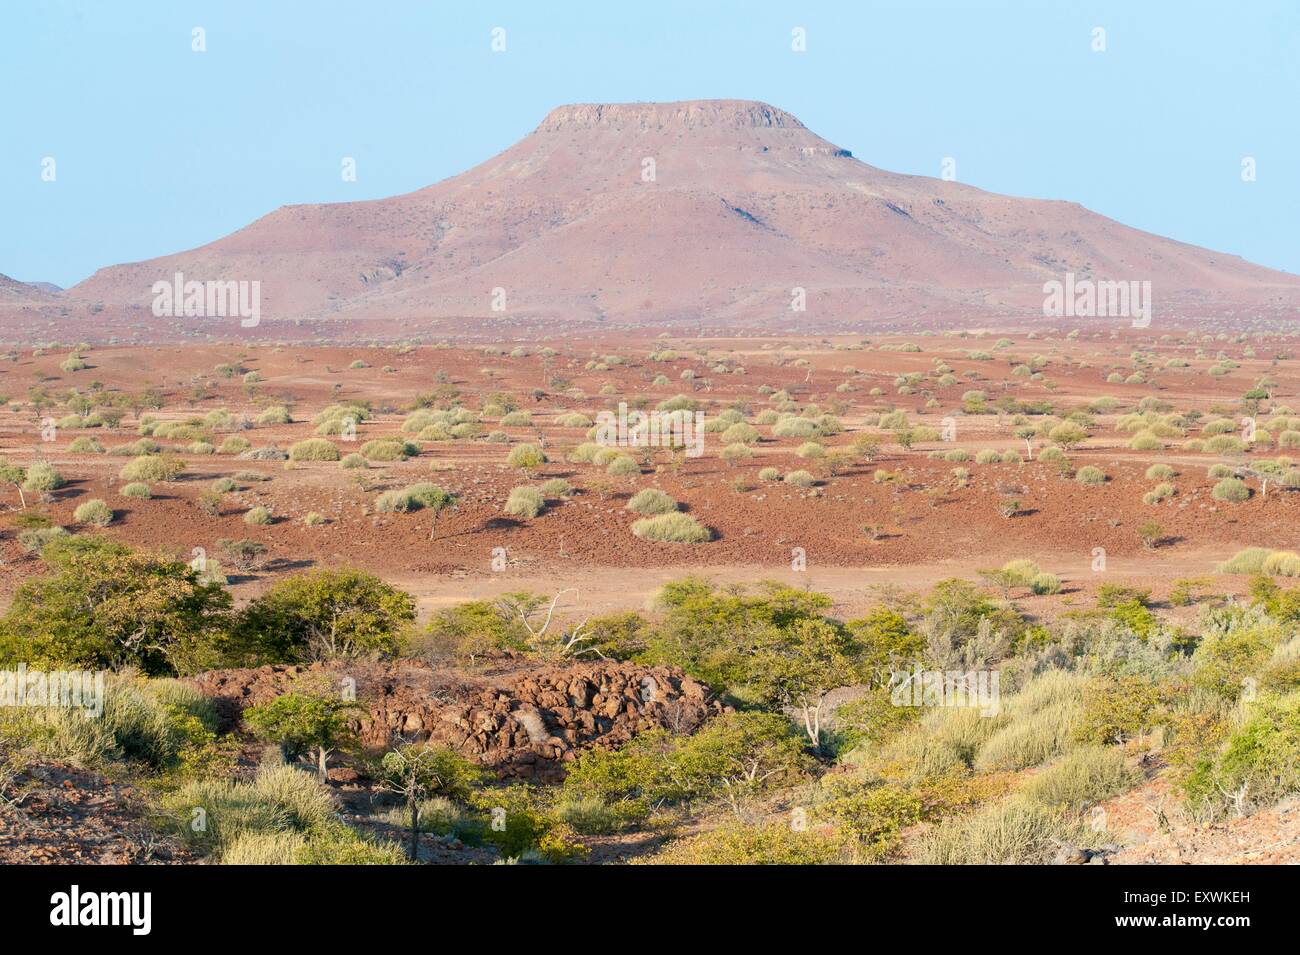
[525,725]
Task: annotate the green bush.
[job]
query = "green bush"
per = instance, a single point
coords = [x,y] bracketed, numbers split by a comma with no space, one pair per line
[324,614]
[1260,761]
[1233,490]
[1080,778]
[525,501]
[313,449]
[152,468]
[526,457]
[257,516]
[136,489]
[739,843]
[414,498]
[42,478]
[94,512]
[675,528]
[651,501]
[1090,475]
[1014,832]
[388,449]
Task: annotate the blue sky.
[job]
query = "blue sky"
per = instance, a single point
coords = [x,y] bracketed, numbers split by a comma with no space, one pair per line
[159,148]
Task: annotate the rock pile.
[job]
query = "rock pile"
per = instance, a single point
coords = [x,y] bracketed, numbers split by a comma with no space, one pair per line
[525,726]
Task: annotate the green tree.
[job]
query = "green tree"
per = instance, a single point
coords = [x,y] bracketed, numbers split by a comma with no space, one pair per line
[812,658]
[323,615]
[13,474]
[300,722]
[104,605]
[1068,435]
[415,771]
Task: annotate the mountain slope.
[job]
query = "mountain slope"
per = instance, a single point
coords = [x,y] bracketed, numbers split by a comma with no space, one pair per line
[744,205]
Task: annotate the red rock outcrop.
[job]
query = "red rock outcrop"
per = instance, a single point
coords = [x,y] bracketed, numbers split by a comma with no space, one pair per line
[524,725]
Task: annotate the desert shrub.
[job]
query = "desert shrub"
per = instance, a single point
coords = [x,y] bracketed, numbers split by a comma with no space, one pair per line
[1090,475]
[353,460]
[1118,708]
[988,456]
[137,490]
[1014,832]
[475,628]
[41,478]
[585,453]
[276,414]
[811,450]
[739,843]
[1260,761]
[1225,444]
[85,445]
[676,528]
[1282,563]
[871,816]
[94,512]
[414,498]
[573,419]
[769,474]
[657,768]
[314,519]
[257,516]
[741,433]
[526,457]
[800,478]
[651,501]
[794,427]
[1145,441]
[1040,723]
[322,615]
[525,501]
[557,487]
[280,801]
[387,449]
[1247,561]
[733,453]
[1068,434]
[234,445]
[1216,471]
[1159,472]
[1045,584]
[158,725]
[1080,778]
[151,612]
[223,485]
[1232,490]
[313,449]
[151,468]
[622,465]
[1160,492]
[1225,658]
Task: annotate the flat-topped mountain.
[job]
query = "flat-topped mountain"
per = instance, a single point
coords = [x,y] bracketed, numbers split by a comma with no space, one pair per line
[712,210]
